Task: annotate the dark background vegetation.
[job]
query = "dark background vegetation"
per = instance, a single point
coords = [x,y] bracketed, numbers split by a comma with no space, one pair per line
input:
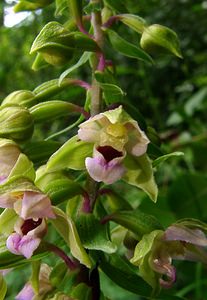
[171,95]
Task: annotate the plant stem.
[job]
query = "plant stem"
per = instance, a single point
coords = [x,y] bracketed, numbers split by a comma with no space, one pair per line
[96,94]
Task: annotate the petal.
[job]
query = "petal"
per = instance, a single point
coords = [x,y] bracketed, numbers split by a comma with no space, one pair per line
[36,205]
[7,200]
[2,178]
[100,170]
[192,236]
[9,153]
[138,141]
[26,293]
[12,243]
[28,245]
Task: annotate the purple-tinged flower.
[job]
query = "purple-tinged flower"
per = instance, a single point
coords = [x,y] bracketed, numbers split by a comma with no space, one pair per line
[28,204]
[27,236]
[155,252]
[28,293]
[105,165]
[114,134]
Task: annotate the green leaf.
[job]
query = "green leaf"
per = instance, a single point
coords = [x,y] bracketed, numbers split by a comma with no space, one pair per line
[30,5]
[7,220]
[196,102]
[122,273]
[71,155]
[126,48]
[67,229]
[84,58]
[136,221]
[81,292]
[60,5]
[140,173]
[40,151]
[93,234]
[135,22]
[112,93]
[3,287]
[165,157]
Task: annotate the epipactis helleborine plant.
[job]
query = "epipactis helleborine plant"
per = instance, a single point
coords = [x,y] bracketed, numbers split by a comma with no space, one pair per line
[114,134]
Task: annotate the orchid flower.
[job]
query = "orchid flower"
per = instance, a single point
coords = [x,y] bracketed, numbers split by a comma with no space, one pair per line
[27,236]
[155,252]
[114,134]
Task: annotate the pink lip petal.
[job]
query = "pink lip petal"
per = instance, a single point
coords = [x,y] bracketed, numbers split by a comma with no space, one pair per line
[26,293]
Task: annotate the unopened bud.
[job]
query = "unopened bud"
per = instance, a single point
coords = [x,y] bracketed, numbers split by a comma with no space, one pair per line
[18,97]
[158,39]
[15,122]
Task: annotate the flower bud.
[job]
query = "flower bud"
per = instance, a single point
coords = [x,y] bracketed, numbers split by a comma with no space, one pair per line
[31,5]
[158,39]
[18,97]
[15,123]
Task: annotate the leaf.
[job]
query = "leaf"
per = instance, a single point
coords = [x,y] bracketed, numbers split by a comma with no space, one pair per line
[81,292]
[71,155]
[126,48]
[165,157]
[3,287]
[112,93]
[133,21]
[136,221]
[140,173]
[67,229]
[93,234]
[84,58]
[40,151]
[122,273]
[60,5]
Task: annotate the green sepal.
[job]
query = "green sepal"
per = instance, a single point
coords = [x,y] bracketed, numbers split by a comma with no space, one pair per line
[142,255]
[140,173]
[23,167]
[136,221]
[158,39]
[135,22]
[35,275]
[81,292]
[18,184]
[124,274]
[51,110]
[57,274]
[15,122]
[126,48]
[67,229]
[7,220]
[39,62]
[165,157]
[71,155]
[61,6]
[93,234]
[3,287]
[116,201]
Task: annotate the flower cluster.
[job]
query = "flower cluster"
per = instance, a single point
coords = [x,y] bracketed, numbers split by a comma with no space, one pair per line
[17,192]
[114,134]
